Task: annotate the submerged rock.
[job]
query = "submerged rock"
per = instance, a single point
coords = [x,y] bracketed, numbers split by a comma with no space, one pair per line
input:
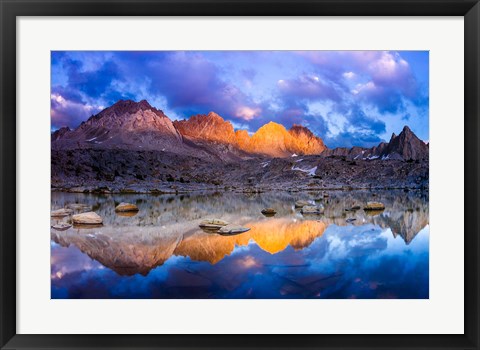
[214,224]
[312,209]
[126,207]
[301,203]
[89,218]
[374,206]
[61,212]
[354,208]
[79,207]
[61,227]
[233,230]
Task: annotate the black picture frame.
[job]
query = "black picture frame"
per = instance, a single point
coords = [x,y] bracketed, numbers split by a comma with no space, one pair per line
[10,10]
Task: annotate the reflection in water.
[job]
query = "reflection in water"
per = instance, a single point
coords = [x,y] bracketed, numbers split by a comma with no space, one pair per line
[162,253]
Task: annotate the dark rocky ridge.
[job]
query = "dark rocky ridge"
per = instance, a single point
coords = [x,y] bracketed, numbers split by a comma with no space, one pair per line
[406,146]
[95,170]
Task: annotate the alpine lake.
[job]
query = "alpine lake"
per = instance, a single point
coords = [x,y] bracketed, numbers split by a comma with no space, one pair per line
[161,252]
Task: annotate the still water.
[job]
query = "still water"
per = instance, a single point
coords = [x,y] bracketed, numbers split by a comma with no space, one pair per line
[162,253]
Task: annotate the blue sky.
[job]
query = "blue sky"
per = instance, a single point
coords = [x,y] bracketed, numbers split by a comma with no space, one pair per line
[348,98]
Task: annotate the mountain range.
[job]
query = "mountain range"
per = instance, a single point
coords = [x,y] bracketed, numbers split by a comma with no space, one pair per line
[133,125]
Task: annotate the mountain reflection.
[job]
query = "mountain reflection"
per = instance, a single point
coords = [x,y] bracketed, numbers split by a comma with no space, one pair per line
[167,226]
[272,236]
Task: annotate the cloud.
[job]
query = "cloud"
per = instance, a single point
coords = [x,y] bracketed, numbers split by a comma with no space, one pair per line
[192,84]
[349,75]
[65,112]
[247,113]
[310,87]
[386,77]
[377,83]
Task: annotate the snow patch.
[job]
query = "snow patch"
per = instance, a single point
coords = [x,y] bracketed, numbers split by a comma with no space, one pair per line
[309,172]
[264,164]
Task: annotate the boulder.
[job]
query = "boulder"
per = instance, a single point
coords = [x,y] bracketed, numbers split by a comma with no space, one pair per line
[312,209]
[61,212]
[126,207]
[212,223]
[269,211]
[233,230]
[89,218]
[374,206]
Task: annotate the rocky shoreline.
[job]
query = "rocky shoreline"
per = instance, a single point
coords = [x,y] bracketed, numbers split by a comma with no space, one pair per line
[127,171]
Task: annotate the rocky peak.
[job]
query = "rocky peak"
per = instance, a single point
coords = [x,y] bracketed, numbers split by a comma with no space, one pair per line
[210,127]
[243,139]
[406,129]
[128,106]
[128,114]
[58,134]
[215,116]
[304,141]
[300,129]
[407,145]
[274,140]
[142,112]
[126,124]
[270,140]
[270,131]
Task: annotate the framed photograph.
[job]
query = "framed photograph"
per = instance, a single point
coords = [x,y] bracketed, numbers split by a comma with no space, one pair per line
[216,174]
